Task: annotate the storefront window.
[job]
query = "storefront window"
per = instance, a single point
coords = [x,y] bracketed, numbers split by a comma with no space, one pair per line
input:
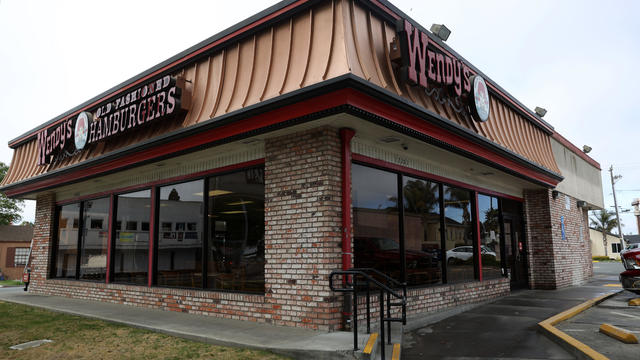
[376,220]
[235,251]
[489,217]
[180,228]
[459,237]
[94,239]
[66,249]
[131,253]
[423,250]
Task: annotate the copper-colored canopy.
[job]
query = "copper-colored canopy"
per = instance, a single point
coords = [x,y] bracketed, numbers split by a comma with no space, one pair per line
[330,39]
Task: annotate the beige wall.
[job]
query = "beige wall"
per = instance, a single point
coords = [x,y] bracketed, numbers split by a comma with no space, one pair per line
[597,246]
[581,179]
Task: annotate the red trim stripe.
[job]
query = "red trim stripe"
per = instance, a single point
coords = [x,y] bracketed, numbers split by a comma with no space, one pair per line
[112,212]
[305,107]
[478,242]
[152,234]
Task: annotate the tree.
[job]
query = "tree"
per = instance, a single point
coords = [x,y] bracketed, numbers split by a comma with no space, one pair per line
[604,221]
[9,208]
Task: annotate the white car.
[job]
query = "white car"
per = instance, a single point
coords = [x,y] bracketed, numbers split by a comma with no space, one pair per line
[464,253]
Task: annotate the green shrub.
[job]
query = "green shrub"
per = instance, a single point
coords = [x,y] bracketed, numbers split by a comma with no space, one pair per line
[602,258]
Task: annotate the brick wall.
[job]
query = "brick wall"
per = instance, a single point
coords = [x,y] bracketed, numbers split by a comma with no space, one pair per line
[438,298]
[42,234]
[302,245]
[555,262]
[302,234]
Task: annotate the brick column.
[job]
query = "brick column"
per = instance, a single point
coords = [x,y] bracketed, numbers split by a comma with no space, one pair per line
[302,227]
[555,262]
[42,237]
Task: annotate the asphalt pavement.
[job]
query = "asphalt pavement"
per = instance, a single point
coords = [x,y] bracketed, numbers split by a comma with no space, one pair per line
[508,327]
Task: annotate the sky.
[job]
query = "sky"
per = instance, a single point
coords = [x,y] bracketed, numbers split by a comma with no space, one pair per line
[574,58]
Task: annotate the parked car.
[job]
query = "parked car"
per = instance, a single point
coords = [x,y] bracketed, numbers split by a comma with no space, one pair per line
[630,278]
[464,253]
[630,247]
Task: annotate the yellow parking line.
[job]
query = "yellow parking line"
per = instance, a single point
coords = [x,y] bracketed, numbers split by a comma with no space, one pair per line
[634,302]
[372,341]
[396,352]
[548,325]
[613,285]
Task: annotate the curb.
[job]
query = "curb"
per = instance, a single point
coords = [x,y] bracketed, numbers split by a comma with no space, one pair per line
[576,347]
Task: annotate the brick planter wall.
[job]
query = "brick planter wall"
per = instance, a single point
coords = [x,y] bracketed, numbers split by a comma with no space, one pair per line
[555,262]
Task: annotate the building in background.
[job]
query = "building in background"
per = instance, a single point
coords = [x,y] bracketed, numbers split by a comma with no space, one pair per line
[614,244]
[14,250]
[233,178]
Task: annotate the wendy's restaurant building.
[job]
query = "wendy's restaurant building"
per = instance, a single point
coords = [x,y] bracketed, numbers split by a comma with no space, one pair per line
[232,179]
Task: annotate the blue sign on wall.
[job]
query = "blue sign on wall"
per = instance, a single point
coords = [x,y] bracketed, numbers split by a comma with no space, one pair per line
[564,237]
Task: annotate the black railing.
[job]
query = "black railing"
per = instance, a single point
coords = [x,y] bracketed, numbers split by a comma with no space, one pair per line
[358,281]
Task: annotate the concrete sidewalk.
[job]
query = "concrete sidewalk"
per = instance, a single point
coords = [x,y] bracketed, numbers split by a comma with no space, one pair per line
[297,343]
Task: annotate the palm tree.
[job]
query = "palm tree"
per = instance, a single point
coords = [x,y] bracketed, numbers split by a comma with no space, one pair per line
[604,221]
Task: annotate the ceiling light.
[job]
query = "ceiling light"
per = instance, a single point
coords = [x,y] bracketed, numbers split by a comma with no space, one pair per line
[540,111]
[233,212]
[440,31]
[389,139]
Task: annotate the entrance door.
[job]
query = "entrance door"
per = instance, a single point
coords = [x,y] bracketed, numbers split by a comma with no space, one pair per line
[515,253]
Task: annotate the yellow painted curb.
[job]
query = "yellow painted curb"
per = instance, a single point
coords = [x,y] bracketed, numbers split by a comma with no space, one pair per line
[396,352]
[618,333]
[634,302]
[596,260]
[613,285]
[548,325]
[372,341]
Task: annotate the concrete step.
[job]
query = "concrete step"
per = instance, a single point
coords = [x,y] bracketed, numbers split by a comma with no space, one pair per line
[392,350]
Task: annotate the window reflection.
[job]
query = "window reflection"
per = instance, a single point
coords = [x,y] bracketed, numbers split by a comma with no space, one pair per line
[131,255]
[94,239]
[67,246]
[180,236]
[235,251]
[375,220]
[458,234]
[423,251]
[489,217]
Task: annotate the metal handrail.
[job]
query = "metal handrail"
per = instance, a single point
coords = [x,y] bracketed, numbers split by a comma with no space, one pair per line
[366,274]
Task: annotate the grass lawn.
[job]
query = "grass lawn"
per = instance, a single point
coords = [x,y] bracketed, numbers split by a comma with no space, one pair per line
[10,282]
[82,338]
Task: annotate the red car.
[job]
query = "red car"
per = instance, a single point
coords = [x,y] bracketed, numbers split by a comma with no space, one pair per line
[630,278]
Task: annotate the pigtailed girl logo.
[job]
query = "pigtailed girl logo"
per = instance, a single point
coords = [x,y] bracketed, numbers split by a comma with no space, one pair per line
[480,103]
[81,130]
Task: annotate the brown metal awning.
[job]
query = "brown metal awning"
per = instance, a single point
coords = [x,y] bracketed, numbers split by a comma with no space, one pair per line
[325,41]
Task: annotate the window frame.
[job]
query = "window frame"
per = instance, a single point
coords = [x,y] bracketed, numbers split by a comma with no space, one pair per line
[474,191]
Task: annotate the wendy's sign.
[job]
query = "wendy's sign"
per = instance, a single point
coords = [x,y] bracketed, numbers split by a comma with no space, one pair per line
[423,65]
[153,101]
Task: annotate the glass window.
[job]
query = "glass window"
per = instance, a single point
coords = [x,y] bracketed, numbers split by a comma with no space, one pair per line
[423,250]
[235,251]
[21,257]
[66,249]
[489,217]
[615,248]
[94,239]
[459,234]
[131,253]
[180,250]
[376,220]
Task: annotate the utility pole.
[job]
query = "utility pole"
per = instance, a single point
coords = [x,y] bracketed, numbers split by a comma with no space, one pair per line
[615,204]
